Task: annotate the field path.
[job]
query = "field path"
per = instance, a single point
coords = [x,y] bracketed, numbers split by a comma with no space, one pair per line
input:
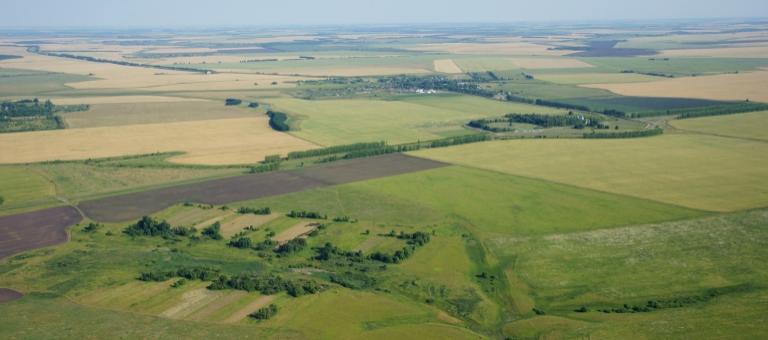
[262,301]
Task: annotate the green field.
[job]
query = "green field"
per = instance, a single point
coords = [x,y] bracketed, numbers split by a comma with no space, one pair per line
[745,125]
[20,186]
[701,172]
[344,121]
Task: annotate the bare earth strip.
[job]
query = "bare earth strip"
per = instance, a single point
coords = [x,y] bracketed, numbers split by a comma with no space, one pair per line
[298,230]
[446,66]
[247,187]
[34,230]
[741,86]
[250,308]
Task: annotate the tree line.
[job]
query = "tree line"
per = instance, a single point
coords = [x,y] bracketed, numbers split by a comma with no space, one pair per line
[625,134]
[278,121]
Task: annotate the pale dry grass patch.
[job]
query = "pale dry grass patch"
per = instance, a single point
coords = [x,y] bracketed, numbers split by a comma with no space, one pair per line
[298,230]
[260,302]
[237,224]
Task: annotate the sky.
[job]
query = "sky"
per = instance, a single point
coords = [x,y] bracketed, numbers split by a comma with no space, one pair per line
[191,13]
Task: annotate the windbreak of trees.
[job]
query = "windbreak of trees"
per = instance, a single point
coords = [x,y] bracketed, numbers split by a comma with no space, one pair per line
[306,214]
[335,149]
[255,211]
[189,273]
[36,49]
[721,110]
[278,121]
[540,120]
[625,134]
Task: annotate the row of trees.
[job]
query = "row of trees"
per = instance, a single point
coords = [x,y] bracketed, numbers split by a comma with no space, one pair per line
[306,214]
[264,313]
[335,149]
[625,134]
[189,273]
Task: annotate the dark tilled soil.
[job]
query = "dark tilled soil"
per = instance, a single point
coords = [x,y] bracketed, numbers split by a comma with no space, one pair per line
[247,187]
[35,229]
[7,295]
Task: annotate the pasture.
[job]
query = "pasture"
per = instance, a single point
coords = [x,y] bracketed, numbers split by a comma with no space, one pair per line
[695,171]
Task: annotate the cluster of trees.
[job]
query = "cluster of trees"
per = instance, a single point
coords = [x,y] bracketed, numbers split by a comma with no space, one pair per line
[328,250]
[293,246]
[625,134]
[278,121]
[414,241]
[232,101]
[189,273]
[91,227]
[241,242]
[27,108]
[306,214]
[255,211]
[213,231]
[253,105]
[267,284]
[147,226]
[264,313]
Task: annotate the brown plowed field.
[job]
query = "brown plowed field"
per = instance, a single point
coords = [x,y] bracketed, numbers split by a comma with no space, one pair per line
[37,229]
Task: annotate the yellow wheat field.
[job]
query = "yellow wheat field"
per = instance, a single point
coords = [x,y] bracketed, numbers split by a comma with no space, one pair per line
[446,66]
[121,100]
[222,141]
[741,86]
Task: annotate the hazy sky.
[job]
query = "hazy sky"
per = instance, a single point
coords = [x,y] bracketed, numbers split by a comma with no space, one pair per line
[82,13]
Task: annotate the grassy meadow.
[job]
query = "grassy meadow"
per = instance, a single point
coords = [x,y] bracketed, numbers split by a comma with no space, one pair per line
[413,118]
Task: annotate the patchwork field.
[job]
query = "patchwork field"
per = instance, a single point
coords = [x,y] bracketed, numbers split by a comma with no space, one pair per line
[331,122]
[237,140]
[701,172]
[740,86]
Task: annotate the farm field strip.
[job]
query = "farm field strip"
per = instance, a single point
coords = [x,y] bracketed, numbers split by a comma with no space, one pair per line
[696,171]
[43,228]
